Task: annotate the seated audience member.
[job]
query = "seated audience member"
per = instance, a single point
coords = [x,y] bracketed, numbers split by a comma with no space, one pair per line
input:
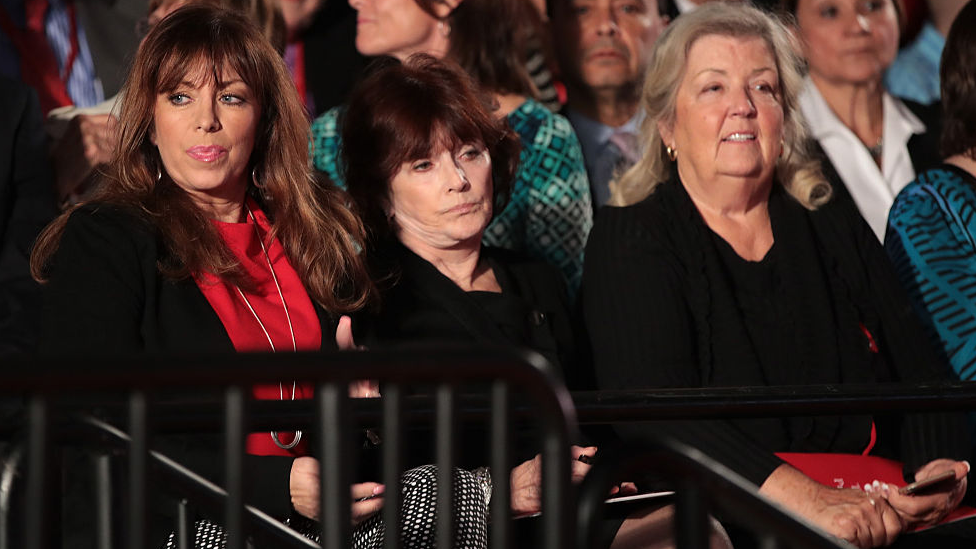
[931,231]
[209,235]
[84,137]
[428,165]
[729,264]
[872,144]
[914,74]
[549,213]
[26,206]
[602,47]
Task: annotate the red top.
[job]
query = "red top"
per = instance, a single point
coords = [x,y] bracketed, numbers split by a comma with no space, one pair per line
[244,329]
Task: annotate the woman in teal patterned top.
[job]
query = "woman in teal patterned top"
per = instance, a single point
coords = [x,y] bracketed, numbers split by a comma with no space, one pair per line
[549,214]
[932,225]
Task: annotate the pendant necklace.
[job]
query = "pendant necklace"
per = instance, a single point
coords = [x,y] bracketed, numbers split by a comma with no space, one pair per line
[294,345]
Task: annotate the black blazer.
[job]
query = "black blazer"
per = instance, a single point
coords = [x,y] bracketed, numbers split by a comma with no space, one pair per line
[106,296]
[923,148]
[661,312]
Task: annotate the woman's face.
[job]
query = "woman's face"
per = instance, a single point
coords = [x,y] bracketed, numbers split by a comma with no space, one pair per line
[205,133]
[444,201]
[394,27]
[848,41]
[728,118]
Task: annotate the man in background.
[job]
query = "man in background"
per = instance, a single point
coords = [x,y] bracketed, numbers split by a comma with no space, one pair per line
[602,48]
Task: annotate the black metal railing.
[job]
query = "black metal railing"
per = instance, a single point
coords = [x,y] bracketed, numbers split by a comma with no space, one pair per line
[49,384]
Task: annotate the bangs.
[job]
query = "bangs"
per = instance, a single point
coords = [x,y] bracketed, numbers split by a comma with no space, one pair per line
[418,129]
[204,52]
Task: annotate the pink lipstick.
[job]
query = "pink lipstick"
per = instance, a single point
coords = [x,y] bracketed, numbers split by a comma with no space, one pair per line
[206,153]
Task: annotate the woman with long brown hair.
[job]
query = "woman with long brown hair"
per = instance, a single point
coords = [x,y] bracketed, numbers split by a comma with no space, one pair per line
[210,233]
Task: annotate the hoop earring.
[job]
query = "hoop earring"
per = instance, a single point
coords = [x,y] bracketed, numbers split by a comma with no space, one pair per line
[444,28]
[254,178]
[672,153]
[159,174]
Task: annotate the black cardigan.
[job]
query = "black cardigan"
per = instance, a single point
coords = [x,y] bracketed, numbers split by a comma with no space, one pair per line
[106,296]
[658,306]
[421,305]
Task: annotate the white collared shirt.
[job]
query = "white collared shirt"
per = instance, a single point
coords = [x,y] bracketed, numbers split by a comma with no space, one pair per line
[873,190]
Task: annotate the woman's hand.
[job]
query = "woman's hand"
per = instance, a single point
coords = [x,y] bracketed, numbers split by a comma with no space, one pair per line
[366,500]
[932,506]
[526,480]
[865,520]
[304,486]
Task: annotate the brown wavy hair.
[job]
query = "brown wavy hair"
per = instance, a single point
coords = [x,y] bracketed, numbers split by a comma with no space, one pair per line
[490,39]
[394,116]
[321,237]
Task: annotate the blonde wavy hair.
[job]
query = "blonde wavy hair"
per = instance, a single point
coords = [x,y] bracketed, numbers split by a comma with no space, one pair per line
[797,170]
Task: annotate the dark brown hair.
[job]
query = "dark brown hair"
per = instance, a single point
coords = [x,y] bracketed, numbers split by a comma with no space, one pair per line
[958,81]
[490,39]
[394,116]
[319,234]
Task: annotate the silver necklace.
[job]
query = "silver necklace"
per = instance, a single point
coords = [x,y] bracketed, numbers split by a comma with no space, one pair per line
[291,329]
[877,149]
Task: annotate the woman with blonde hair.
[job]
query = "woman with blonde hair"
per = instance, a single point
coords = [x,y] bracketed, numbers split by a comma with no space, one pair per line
[728,264]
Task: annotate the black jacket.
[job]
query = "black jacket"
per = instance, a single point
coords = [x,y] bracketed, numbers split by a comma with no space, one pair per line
[661,312]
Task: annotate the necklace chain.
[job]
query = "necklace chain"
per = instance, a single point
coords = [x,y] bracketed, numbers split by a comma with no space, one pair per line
[291,329]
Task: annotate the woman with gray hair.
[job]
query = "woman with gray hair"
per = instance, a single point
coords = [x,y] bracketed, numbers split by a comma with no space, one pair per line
[727,264]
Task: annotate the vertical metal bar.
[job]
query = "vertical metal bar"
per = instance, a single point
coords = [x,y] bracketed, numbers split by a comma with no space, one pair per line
[556,516]
[501,489]
[445,465]
[38,519]
[690,518]
[138,484]
[334,477]
[392,463]
[183,526]
[103,501]
[11,462]
[234,466]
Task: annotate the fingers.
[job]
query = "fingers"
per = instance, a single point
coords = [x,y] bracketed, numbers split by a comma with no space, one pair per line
[344,339]
[364,388]
[871,522]
[366,490]
[366,500]
[362,510]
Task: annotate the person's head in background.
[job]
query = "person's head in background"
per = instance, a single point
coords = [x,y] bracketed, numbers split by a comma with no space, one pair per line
[264,13]
[959,87]
[487,38]
[602,47]
[846,42]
